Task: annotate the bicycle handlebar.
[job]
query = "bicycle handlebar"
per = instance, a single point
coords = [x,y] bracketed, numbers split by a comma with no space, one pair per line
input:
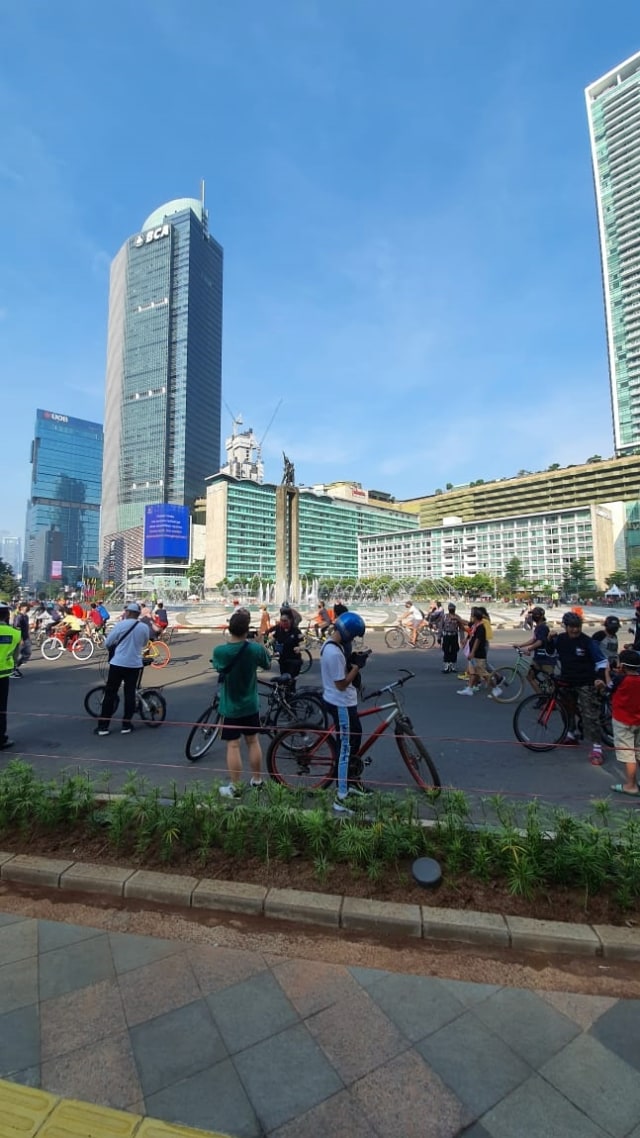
[389,687]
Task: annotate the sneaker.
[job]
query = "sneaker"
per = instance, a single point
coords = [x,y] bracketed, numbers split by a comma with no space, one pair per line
[126,730]
[497,691]
[445,669]
[7,743]
[16,674]
[230,791]
[341,805]
[358,789]
[101,731]
[596,757]
[465,691]
[570,740]
[257,783]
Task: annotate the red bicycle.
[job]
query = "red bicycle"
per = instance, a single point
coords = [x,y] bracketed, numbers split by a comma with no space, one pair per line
[80,647]
[306,757]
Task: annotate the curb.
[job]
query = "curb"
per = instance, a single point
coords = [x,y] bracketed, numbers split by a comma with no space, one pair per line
[352,914]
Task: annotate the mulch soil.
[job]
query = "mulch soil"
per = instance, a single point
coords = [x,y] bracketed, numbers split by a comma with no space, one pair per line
[395,884]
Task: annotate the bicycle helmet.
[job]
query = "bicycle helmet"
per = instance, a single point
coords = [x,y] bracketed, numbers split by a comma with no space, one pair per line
[612,624]
[572,620]
[350,624]
[537,613]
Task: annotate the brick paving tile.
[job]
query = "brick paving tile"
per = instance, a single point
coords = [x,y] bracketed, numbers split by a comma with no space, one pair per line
[78,1019]
[251,1011]
[18,984]
[214,1099]
[176,1045]
[405,1099]
[619,1030]
[19,1040]
[10,919]
[76,966]
[336,1117]
[57,934]
[583,1010]
[131,951]
[356,1036]
[30,1077]
[217,968]
[105,1073]
[312,985]
[418,1005]
[547,1030]
[598,1082]
[157,988]
[536,1110]
[18,940]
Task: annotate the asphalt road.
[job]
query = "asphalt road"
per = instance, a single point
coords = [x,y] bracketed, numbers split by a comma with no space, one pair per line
[471,740]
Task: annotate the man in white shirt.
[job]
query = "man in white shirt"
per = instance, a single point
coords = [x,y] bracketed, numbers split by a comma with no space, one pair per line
[128,639]
[340,669]
[412,619]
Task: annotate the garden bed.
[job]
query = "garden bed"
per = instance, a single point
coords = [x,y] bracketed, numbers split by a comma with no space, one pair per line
[534,862]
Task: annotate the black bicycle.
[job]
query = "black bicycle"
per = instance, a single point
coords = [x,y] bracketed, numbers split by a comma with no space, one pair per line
[151,705]
[285,707]
[541,722]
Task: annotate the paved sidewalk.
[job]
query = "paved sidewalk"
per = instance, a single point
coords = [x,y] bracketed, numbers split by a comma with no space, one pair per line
[254,1045]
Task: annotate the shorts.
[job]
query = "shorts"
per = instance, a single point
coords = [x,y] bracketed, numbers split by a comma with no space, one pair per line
[478,667]
[626,740]
[242,725]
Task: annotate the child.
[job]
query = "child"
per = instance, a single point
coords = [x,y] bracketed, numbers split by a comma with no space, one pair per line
[625,711]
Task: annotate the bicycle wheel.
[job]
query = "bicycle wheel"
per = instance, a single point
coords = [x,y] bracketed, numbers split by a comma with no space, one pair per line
[204,734]
[52,648]
[606,724]
[152,707]
[302,707]
[511,685]
[394,638]
[417,759]
[160,654]
[302,759]
[540,724]
[93,702]
[82,648]
[307,661]
[426,638]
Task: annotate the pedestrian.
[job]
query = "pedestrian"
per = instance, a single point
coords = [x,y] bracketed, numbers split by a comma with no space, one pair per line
[265,623]
[21,622]
[476,652]
[436,619]
[287,609]
[237,663]
[9,651]
[583,667]
[341,670]
[625,714]
[125,644]
[452,626]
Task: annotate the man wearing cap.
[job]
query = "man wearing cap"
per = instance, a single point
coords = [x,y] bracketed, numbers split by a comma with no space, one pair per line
[125,643]
[9,650]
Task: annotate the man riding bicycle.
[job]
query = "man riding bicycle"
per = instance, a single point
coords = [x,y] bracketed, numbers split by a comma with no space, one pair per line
[585,669]
[538,646]
[413,619]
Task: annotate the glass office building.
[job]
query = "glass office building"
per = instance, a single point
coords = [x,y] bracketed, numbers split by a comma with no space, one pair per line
[63,514]
[613,108]
[164,361]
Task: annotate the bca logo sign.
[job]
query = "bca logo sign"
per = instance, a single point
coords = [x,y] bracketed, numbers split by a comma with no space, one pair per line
[151,235]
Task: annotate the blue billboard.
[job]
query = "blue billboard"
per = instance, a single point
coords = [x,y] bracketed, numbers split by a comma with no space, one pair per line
[166,532]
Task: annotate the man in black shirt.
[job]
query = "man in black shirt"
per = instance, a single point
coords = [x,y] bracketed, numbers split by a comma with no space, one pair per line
[584,666]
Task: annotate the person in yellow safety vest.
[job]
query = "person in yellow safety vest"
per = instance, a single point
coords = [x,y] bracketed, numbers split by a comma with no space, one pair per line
[10,639]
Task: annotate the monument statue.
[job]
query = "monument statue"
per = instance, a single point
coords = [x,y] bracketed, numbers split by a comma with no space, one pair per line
[289,472]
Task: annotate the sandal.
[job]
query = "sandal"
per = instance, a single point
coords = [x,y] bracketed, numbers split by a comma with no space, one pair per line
[619,789]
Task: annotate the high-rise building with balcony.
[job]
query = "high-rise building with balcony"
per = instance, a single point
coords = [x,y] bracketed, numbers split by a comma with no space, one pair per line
[164,365]
[613,109]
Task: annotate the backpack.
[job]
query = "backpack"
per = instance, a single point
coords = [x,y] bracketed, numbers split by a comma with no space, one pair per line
[104,612]
[487,627]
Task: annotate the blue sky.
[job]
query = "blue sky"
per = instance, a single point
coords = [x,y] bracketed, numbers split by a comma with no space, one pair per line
[404,194]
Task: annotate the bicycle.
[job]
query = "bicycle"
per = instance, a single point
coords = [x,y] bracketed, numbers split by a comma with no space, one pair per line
[400,637]
[541,722]
[80,647]
[298,759]
[511,679]
[151,705]
[157,654]
[283,706]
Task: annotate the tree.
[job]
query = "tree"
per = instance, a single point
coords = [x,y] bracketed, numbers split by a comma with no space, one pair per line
[595,458]
[634,571]
[554,466]
[449,485]
[8,583]
[513,573]
[618,578]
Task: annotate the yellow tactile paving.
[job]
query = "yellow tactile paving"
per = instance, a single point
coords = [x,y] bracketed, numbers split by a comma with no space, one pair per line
[71,1119]
[23,1110]
[29,1113]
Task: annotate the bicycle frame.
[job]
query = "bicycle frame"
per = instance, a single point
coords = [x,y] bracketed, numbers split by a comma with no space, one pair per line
[370,741]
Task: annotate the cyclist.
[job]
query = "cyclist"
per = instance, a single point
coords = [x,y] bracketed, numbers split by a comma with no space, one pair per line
[538,646]
[160,617]
[125,643]
[287,639]
[294,616]
[584,667]
[341,670]
[72,626]
[414,619]
[322,621]
[95,617]
[607,638]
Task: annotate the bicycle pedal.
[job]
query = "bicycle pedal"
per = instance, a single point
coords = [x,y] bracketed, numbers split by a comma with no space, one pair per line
[367,761]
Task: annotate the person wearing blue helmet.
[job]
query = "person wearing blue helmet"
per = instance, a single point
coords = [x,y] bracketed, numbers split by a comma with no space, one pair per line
[341,669]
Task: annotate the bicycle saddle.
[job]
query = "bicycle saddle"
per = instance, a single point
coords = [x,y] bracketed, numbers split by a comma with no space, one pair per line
[285,678]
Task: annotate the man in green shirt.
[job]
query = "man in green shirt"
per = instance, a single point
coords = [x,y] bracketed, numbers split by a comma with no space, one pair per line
[10,639]
[237,662]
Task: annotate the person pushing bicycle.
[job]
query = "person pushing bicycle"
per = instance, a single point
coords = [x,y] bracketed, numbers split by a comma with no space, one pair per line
[584,668]
[341,668]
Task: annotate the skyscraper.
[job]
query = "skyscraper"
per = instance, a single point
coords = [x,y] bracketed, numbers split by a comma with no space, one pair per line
[164,365]
[613,109]
[63,514]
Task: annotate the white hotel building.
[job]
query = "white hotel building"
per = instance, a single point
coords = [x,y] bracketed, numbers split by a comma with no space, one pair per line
[546,543]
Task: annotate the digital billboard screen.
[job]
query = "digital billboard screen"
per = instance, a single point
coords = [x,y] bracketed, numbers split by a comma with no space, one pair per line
[166,532]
